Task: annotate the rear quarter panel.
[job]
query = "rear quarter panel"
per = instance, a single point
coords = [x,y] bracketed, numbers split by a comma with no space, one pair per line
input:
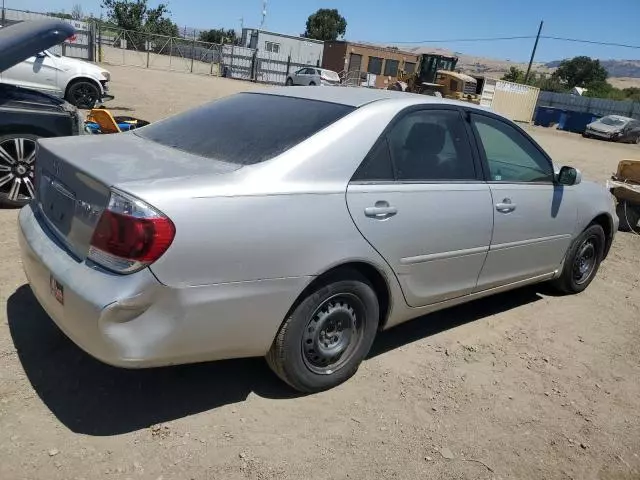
[245,238]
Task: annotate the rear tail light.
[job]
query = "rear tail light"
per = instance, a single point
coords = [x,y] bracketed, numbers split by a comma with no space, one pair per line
[130,235]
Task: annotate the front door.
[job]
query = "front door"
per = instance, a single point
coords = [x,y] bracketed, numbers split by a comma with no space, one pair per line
[534,218]
[37,73]
[419,200]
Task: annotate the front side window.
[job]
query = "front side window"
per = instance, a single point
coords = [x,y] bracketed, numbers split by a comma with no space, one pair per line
[245,128]
[510,155]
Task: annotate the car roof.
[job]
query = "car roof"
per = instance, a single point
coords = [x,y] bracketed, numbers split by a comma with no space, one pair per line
[618,117]
[359,96]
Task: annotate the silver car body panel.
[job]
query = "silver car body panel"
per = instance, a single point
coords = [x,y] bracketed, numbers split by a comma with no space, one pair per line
[249,240]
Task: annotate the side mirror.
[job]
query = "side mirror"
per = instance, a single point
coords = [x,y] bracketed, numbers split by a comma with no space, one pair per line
[569,176]
[40,55]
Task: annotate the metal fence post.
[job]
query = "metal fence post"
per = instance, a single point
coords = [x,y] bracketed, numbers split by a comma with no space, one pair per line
[221,61]
[193,50]
[233,53]
[147,45]
[254,70]
[170,51]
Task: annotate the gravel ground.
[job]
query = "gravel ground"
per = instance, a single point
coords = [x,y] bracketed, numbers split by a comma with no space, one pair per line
[524,385]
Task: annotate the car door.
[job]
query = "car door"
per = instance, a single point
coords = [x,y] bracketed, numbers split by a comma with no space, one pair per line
[304,76]
[297,77]
[38,73]
[419,199]
[534,217]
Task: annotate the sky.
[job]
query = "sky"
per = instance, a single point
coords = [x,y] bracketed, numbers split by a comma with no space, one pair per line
[423,20]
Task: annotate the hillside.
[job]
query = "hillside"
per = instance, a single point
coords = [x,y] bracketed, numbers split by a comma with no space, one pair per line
[616,68]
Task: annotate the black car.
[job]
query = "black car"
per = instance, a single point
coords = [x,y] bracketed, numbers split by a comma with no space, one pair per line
[26,115]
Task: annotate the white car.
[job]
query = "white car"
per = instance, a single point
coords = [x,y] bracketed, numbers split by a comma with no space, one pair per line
[313,76]
[82,84]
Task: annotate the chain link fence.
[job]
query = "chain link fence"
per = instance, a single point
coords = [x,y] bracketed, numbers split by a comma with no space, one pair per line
[123,47]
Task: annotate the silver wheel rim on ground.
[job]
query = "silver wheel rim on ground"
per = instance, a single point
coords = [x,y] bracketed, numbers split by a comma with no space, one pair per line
[333,334]
[17,165]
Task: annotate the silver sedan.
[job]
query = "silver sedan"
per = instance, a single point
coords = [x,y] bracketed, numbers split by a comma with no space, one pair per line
[295,224]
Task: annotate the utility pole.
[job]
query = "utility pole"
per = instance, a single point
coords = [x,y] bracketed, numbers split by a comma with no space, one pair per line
[3,13]
[533,52]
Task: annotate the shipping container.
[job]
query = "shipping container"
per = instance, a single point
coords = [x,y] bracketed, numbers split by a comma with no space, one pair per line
[513,100]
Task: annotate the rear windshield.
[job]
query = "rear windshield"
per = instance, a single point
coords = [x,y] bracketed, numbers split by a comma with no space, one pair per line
[246,128]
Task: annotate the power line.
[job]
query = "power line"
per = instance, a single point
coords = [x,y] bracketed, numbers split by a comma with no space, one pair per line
[578,40]
[492,39]
[520,37]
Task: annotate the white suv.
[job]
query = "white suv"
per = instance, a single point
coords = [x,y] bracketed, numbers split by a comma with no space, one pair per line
[82,84]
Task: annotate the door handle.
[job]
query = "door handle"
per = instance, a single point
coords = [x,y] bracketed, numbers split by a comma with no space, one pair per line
[381,211]
[506,206]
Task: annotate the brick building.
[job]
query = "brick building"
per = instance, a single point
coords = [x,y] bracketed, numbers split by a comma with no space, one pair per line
[381,64]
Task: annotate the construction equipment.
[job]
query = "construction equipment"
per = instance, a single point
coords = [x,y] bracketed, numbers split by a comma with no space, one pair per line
[436,75]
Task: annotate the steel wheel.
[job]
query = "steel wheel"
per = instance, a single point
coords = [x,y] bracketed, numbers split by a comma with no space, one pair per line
[17,166]
[333,333]
[585,261]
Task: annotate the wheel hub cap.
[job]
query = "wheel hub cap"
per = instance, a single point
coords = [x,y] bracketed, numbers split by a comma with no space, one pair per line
[331,335]
[585,261]
[17,165]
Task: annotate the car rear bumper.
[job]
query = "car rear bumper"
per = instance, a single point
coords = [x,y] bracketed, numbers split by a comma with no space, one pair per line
[134,321]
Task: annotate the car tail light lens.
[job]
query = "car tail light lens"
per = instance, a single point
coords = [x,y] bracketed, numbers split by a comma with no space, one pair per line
[130,235]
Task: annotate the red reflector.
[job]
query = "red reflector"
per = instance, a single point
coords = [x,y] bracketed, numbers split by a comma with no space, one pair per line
[139,239]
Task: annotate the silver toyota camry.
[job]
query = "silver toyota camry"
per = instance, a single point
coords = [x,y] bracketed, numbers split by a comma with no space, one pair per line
[296,223]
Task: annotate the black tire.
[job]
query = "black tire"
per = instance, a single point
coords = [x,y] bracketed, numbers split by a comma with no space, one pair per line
[289,82]
[582,261]
[312,84]
[83,94]
[629,216]
[17,168]
[326,337]
[638,140]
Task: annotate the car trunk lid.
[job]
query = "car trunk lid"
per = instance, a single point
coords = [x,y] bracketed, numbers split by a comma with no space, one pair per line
[23,40]
[74,178]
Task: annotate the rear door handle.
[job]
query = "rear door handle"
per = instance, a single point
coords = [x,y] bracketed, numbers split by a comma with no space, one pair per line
[506,206]
[381,211]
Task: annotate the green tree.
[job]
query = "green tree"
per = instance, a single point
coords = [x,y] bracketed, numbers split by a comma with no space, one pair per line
[137,16]
[219,35]
[580,72]
[326,24]
[514,75]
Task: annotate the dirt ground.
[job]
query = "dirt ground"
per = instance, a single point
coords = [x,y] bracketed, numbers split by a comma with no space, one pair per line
[524,385]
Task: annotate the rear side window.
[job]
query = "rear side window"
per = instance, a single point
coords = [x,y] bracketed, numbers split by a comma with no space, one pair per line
[246,128]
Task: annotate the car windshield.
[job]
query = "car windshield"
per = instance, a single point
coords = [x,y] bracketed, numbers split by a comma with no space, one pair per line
[613,121]
[246,128]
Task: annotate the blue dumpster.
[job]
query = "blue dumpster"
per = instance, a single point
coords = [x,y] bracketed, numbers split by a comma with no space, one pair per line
[545,116]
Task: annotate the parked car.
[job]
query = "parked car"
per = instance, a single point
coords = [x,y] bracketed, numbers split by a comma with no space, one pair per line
[313,76]
[616,128]
[82,84]
[295,224]
[26,115]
